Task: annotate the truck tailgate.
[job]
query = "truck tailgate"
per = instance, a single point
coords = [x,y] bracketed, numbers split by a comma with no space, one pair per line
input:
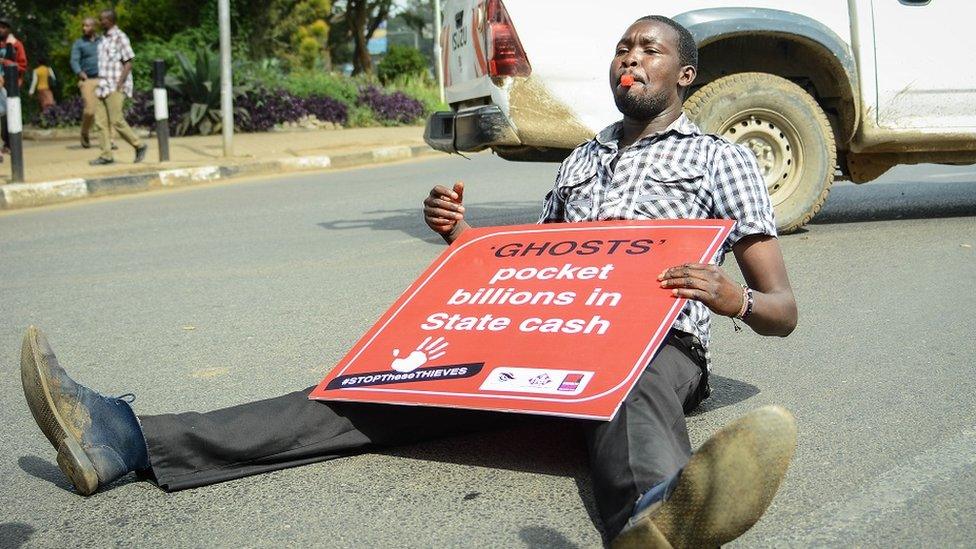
[463,50]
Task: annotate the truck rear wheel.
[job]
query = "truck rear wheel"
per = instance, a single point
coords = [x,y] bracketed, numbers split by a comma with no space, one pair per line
[786,129]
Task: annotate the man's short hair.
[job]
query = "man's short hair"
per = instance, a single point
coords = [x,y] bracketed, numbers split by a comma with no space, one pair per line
[109,13]
[687,48]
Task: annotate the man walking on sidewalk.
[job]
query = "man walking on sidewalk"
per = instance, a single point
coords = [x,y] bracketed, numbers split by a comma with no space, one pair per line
[115,57]
[84,63]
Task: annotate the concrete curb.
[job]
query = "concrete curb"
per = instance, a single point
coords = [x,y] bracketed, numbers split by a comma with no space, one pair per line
[29,195]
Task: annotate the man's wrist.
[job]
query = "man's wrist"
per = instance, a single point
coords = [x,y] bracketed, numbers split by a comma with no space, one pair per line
[748,301]
[459,227]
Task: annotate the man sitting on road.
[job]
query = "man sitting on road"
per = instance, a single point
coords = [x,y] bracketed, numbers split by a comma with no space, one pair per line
[650,489]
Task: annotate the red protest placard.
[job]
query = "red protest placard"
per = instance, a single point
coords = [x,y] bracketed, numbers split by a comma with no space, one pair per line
[556,319]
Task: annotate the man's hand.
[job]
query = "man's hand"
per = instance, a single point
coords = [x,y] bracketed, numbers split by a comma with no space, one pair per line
[761,262]
[444,212]
[82,76]
[706,283]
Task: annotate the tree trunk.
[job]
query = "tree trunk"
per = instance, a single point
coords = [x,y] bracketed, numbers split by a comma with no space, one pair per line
[359,17]
[363,24]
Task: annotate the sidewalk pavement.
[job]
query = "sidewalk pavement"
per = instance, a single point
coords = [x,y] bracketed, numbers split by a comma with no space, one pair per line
[58,170]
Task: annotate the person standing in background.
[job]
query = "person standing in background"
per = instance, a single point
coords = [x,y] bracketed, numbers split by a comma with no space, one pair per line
[84,63]
[115,57]
[11,53]
[42,81]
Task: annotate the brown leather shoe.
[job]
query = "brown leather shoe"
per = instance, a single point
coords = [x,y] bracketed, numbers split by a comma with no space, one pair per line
[725,488]
[97,438]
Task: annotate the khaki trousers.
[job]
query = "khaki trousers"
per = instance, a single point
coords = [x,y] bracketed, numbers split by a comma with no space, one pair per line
[109,117]
[90,101]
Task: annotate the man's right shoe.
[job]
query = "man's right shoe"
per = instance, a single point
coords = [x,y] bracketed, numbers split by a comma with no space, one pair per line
[141,153]
[98,438]
[725,488]
[101,161]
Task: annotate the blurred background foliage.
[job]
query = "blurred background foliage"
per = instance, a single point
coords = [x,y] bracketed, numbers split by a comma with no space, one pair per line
[306,49]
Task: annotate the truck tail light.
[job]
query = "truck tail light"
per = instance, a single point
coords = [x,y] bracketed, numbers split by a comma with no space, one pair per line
[506,57]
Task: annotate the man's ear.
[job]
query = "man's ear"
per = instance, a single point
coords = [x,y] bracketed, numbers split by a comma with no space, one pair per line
[687,76]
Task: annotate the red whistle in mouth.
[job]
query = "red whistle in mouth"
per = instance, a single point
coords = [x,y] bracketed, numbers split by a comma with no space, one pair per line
[627,80]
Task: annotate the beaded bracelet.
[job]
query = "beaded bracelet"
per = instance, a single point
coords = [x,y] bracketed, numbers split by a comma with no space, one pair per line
[745,303]
[752,302]
[748,301]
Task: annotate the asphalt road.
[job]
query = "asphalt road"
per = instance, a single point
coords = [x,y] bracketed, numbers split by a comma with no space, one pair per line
[212,296]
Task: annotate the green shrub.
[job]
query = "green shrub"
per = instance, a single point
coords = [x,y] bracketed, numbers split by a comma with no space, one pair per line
[265,73]
[421,89]
[185,43]
[362,117]
[401,61]
[196,88]
[309,83]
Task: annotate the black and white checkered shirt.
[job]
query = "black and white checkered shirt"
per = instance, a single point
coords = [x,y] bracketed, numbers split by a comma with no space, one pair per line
[114,50]
[675,174]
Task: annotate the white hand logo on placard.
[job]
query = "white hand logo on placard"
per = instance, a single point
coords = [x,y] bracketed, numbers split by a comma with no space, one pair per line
[427,350]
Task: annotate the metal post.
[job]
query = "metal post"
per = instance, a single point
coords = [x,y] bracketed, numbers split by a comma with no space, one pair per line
[438,53]
[15,124]
[161,108]
[226,100]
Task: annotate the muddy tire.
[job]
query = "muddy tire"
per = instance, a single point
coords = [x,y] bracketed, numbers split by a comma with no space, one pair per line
[786,129]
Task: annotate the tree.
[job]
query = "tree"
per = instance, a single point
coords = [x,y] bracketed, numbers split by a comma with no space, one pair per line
[362,18]
[417,15]
[299,31]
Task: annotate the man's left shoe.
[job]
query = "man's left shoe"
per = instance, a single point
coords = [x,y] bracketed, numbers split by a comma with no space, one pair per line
[725,488]
[98,438]
[141,153]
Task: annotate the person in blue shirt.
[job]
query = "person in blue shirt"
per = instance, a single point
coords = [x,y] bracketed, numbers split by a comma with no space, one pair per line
[84,63]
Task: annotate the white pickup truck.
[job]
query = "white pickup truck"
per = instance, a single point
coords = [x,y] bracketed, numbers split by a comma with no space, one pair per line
[819,90]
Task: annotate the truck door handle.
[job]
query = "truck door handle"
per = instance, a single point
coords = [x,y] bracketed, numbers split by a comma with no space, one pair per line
[914,2]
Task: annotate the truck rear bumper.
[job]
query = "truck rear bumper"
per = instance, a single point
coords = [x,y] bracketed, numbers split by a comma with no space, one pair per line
[470,130]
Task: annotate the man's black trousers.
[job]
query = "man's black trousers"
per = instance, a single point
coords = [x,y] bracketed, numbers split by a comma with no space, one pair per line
[645,443]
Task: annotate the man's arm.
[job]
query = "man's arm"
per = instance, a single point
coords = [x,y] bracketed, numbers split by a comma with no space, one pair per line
[774,308]
[75,60]
[740,194]
[761,262]
[126,69]
[127,56]
[21,54]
